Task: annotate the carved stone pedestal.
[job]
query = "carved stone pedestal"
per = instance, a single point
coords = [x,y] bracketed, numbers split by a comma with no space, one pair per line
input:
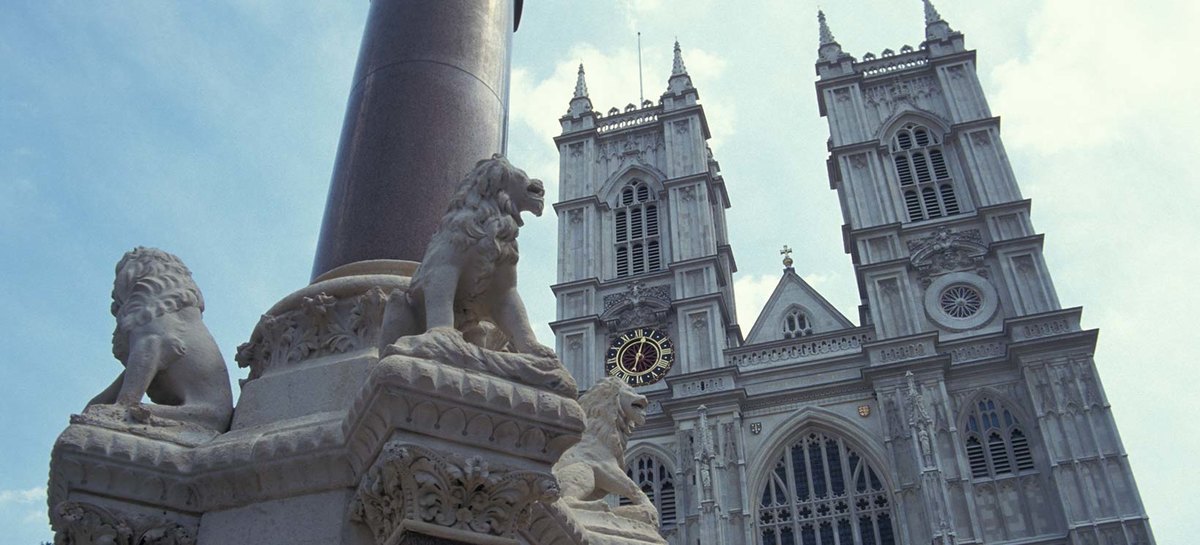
[467,455]
[329,444]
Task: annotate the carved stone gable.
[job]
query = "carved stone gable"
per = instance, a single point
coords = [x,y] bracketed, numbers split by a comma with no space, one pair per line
[639,305]
[945,251]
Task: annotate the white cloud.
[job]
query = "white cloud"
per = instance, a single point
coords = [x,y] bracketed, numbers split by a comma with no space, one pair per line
[36,494]
[751,293]
[34,516]
[637,10]
[1092,73]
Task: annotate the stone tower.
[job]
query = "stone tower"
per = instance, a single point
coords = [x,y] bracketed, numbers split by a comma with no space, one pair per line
[644,262]
[1001,432]
[964,408]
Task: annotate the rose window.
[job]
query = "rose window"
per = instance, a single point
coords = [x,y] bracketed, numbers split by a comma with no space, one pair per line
[961,301]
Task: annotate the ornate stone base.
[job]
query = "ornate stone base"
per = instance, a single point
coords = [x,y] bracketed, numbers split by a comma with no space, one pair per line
[557,524]
[607,528]
[330,444]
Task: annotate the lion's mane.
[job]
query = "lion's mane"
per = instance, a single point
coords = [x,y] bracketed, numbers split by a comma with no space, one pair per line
[149,283]
[602,405]
[482,207]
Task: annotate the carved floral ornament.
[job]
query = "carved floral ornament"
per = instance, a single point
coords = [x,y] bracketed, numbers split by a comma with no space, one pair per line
[320,325]
[409,482]
[78,523]
[945,251]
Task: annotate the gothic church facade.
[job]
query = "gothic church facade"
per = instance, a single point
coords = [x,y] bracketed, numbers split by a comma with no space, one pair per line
[965,408]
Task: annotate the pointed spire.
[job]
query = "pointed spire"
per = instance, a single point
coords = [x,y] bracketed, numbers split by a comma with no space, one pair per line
[580,84]
[580,103]
[937,28]
[826,35]
[680,81]
[677,67]
[931,13]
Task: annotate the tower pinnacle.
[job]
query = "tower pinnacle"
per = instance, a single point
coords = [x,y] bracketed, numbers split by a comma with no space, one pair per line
[826,35]
[679,81]
[931,13]
[580,84]
[936,28]
[580,103]
[677,67]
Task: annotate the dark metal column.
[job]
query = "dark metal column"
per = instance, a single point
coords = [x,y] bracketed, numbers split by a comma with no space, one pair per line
[429,100]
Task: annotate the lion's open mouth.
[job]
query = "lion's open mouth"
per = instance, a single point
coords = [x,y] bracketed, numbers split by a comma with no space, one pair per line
[536,193]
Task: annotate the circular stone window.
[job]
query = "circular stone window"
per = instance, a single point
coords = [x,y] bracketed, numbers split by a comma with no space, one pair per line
[960,301]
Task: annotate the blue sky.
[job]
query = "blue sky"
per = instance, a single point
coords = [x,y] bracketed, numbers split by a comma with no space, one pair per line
[209,129]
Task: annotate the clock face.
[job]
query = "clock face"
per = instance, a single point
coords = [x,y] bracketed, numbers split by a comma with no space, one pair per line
[640,356]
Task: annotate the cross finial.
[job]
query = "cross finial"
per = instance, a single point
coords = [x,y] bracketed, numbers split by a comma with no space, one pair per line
[786,252]
[826,34]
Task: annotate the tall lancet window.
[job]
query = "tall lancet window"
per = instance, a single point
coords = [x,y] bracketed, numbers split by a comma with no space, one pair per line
[636,221]
[996,442]
[924,174]
[822,492]
[656,480]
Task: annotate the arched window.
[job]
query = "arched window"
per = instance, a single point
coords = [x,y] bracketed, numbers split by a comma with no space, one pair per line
[823,492]
[658,483]
[924,176]
[996,443]
[796,324]
[636,225]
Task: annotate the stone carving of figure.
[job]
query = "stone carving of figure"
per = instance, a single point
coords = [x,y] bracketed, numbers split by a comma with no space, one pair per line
[594,468]
[464,296]
[168,353]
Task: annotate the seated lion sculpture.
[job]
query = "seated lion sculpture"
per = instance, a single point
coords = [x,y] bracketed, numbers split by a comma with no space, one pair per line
[167,351]
[594,468]
[466,285]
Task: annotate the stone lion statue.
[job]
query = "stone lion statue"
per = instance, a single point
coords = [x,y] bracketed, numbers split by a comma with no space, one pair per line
[166,349]
[466,285]
[595,466]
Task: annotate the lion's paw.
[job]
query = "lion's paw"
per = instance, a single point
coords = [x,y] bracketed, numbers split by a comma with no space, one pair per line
[643,513]
[541,350]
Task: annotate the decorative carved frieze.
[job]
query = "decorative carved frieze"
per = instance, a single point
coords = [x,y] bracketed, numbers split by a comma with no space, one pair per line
[320,325]
[78,523]
[639,305]
[410,482]
[945,251]
[974,352]
[902,352]
[887,97]
[703,386]
[799,350]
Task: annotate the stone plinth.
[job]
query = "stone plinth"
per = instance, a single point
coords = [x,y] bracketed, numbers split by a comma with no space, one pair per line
[330,444]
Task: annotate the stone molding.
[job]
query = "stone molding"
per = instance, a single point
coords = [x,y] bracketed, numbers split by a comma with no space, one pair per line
[413,483]
[469,408]
[79,523]
[330,317]
[322,452]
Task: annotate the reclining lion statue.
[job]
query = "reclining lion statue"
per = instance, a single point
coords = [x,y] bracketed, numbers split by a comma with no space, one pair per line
[168,353]
[464,297]
[594,468]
